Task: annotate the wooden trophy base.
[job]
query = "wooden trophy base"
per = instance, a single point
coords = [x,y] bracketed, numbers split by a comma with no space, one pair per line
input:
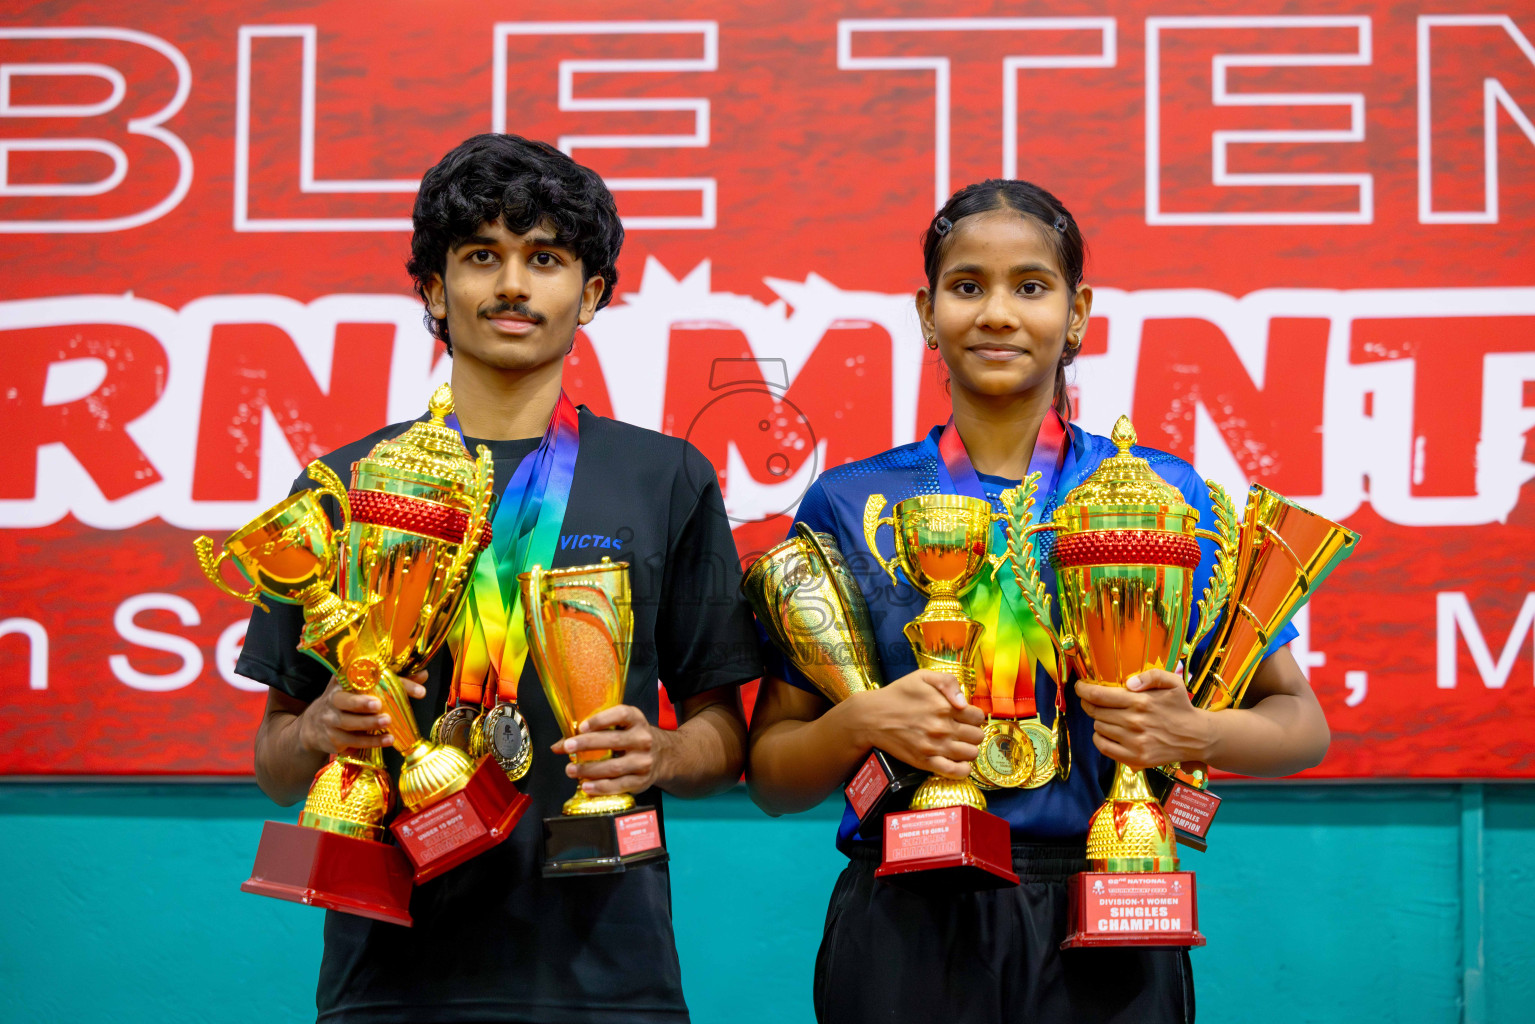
[323,869]
[879,786]
[1190,808]
[947,849]
[466,824]
[1133,908]
[602,844]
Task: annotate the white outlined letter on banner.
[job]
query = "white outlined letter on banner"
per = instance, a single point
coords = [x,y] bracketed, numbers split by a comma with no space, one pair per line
[709,33]
[940,67]
[1494,95]
[1221,96]
[148,126]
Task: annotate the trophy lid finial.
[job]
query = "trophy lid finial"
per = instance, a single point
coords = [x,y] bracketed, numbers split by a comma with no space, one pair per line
[1123,435]
[441,403]
[429,450]
[1124,478]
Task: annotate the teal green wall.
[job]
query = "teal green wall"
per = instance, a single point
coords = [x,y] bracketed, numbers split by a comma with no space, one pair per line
[1321,903]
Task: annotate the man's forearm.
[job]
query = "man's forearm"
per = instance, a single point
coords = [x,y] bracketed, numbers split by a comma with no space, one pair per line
[704,755]
[284,767]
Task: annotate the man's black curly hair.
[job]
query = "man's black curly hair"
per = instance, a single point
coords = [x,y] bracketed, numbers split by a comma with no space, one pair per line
[521,183]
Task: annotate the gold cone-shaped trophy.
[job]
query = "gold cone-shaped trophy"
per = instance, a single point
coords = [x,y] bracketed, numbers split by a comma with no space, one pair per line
[580,627]
[378,599]
[810,605]
[1284,553]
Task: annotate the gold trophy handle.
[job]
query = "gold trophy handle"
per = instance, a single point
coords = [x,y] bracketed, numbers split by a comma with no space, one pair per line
[533,610]
[211,568]
[872,521]
[484,472]
[1302,577]
[331,484]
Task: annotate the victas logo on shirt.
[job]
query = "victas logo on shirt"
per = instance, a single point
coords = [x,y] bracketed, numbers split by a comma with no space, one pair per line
[571,541]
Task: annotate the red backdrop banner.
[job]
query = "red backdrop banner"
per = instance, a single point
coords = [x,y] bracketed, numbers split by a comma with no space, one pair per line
[1308,241]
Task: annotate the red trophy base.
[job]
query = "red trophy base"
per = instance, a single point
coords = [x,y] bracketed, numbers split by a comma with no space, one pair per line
[952,849]
[1134,908]
[466,824]
[1191,808]
[880,785]
[323,869]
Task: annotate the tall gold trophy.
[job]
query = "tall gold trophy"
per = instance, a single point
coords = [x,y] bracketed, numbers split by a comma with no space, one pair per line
[947,840]
[414,521]
[1126,549]
[580,626]
[810,605]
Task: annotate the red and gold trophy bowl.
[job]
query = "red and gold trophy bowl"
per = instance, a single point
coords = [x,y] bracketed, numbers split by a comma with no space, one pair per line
[809,603]
[580,626]
[405,559]
[947,841]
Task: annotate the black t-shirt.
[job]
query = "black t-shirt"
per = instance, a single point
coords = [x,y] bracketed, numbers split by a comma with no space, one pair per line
[493,940]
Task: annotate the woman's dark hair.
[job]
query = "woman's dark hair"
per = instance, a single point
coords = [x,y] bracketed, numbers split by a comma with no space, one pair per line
[521,183]
[1054,220]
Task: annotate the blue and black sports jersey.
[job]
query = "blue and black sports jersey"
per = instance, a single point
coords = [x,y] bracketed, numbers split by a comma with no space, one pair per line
[834,504]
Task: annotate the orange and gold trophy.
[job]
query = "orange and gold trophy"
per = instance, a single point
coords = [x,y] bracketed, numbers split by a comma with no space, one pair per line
[947,840]
[1126,549]
[580,627]
[807,600]
[414,521]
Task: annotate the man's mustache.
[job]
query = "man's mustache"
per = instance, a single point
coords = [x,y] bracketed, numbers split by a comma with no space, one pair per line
[519,308]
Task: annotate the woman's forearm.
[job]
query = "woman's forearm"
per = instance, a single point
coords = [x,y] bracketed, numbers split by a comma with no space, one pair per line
[794,765]
[1280,735]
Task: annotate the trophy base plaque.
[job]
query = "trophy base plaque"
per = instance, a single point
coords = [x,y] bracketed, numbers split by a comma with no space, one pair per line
[323,869]
[1133,908]
[881,785]
[602,844]
[947,849]
[1190,808]
[466,824]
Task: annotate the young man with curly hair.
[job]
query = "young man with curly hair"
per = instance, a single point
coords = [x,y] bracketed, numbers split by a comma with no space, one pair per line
[513,249]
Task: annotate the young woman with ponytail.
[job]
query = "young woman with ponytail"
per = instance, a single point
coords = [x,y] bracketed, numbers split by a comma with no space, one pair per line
[1005,307]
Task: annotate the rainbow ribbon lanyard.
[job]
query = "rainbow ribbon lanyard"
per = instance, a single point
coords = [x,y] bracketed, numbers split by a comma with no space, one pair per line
[490,635]
[1014,645]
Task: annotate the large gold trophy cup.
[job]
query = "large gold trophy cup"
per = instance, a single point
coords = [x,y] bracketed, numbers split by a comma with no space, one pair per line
[808,601]
[413,523]
[580,626]
[1126,549]
[942,543]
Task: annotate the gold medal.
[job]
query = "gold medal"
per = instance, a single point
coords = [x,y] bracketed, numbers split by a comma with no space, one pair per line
[453,726]
[1043,740]
[1015,754]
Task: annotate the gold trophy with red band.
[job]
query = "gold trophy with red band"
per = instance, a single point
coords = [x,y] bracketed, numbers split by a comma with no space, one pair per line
[580,628]
[1126,549]
[377,601]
